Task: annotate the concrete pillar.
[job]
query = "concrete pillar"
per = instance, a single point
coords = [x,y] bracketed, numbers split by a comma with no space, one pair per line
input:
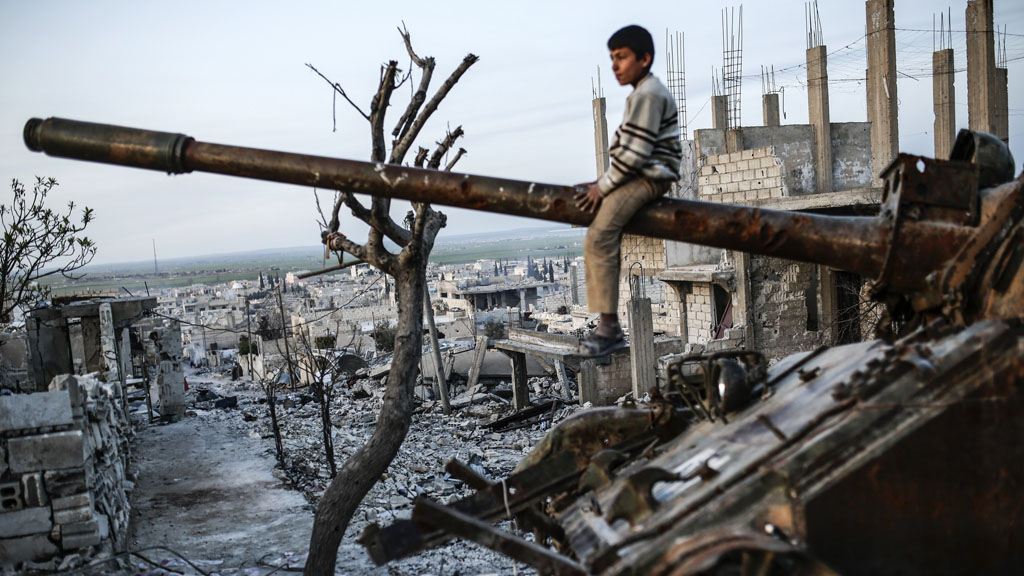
[943,102]
[1001,112]
[478,362]
[734,140]
[981,66]
[818,112]
[642,361]
[586,380]
[563,378]
[92,352]
[720,112]
[108,343]
[574,284]
[520,389]
[743,305]
[882,102]
[770,109]
[600,136]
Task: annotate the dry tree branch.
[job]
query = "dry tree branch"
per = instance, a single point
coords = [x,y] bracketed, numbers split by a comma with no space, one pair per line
[421,156]
[420,96]
[378,109]
[405,142]
[458,155]
[339,90]
[443,147]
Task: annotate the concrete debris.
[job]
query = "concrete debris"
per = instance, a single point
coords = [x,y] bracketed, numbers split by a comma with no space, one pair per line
[433,439]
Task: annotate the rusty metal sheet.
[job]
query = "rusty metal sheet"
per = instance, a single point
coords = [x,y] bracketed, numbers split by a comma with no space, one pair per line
[870,399]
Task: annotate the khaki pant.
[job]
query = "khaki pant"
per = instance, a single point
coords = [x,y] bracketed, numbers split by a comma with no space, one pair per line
[602,246]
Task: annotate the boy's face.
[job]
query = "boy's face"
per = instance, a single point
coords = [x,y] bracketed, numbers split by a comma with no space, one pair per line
[627,67]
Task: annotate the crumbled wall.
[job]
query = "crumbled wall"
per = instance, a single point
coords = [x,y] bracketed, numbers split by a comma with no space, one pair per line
[13,360]
[603,384]
[793,145]
[164,351]
[784,295]
[63,455]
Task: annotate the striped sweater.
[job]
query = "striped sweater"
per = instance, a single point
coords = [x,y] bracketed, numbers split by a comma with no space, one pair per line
[646,144]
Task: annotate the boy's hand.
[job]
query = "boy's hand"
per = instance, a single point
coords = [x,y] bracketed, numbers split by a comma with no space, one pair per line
[588,197]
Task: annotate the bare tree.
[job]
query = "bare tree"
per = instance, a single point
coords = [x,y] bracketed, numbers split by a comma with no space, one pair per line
[38,242]
[415,236]
[270,384]
[318,363]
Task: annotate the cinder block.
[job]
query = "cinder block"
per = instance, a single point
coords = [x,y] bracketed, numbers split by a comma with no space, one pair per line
[72,515]
[29,411]
[703,180]
[76,541]
[65,482]
[46,451]
[735,156]
[32,488]
[74,501]
[11,497]
[750,195]
[90,526]
[732,187]
[773,171]
[27,549]
[714,179]
[777,193]
[745,185]
[725,178]
[766,162]
[705,171]
[25,522]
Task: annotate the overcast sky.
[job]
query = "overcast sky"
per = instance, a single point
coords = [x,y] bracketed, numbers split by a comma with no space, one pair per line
[234,73]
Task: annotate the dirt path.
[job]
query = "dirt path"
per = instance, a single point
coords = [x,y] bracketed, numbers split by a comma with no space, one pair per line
[206,489]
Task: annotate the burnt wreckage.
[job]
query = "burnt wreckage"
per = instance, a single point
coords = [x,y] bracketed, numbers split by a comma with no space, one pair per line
[898,456]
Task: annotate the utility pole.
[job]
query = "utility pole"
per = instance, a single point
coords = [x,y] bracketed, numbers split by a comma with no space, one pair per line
[284,333]
[442,385]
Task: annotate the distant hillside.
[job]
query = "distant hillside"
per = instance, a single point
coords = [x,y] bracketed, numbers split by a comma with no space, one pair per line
[554,241]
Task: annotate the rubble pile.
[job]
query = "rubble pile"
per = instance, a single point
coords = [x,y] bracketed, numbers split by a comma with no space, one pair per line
[63,484]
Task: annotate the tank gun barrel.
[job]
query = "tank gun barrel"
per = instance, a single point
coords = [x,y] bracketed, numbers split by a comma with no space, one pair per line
[856,244]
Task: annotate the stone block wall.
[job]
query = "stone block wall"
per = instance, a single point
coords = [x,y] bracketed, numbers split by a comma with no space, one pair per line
[603,384]
[650,253]
[63,482]
[739,177]
[732,341]
[700,313]
[667,312]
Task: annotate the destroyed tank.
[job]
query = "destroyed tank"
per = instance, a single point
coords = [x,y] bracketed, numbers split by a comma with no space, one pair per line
[896,456]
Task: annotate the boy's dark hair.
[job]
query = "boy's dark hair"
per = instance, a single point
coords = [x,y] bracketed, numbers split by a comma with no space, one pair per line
[636,38]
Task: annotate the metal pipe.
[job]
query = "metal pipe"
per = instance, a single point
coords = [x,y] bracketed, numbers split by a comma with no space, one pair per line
[856,244]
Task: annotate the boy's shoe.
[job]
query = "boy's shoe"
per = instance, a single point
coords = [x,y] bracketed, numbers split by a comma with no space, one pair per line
[596,345]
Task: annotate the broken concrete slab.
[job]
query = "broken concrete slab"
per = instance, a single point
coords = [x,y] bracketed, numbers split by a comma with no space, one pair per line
[39,410]
[46,451]
[26,548]
[25,522]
